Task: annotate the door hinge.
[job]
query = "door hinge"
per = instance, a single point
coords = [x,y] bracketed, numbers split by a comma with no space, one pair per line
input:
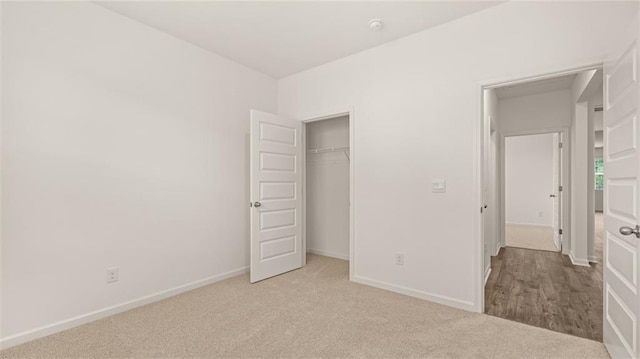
[560,231]
[560,188]
[560,144]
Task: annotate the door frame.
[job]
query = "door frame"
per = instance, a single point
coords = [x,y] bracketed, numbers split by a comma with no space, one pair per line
[565,181]
[478,162]
[352,198]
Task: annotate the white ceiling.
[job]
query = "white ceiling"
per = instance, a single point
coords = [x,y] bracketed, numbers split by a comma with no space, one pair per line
[536,87]
[282,38]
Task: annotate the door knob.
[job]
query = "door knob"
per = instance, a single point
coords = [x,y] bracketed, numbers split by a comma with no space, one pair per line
[552,195]
[257,204]
[627,231]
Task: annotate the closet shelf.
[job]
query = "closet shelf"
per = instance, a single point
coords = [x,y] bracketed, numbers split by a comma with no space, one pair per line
[332,149]
[345,150]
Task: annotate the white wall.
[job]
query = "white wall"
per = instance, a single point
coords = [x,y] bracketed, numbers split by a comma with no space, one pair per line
[547,110]
[538,112]
[582,197]
[417,113]
[529,180]
[121,146]
[328,189]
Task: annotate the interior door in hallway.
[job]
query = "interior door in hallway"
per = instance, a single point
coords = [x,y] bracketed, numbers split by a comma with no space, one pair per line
[556,193]
[622,180]
[276,194]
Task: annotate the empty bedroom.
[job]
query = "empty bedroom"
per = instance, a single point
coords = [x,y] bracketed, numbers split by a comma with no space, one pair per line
[319,179]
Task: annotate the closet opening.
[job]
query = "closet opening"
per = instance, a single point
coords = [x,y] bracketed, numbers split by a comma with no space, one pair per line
[327,188]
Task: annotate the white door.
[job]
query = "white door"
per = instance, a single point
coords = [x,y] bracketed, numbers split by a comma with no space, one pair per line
[556,194]
[485,210]
[276,195]
[622,195]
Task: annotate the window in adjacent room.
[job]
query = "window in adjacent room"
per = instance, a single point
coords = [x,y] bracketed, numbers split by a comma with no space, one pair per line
[599,172]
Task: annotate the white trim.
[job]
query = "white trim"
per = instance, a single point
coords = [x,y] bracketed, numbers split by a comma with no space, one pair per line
[478,235]
[67,324]
[436,298]
[477,218]
[529,224]
[593,259]
[536,77]
[578,262]
[486,276]
[328,254]
[497,250]
[326,115]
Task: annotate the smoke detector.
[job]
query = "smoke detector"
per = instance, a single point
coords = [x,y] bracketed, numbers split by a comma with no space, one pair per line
[375,24]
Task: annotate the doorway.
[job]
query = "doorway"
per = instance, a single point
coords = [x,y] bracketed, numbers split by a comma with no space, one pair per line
[532,180]
[540,273]
[327,187]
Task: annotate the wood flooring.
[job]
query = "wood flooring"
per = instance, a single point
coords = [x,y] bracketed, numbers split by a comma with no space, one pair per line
[545,289]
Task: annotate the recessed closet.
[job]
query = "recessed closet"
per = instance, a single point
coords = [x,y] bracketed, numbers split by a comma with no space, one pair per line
[327,187]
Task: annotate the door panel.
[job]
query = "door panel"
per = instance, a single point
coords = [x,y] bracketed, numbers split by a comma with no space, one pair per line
[555,190]
[622,175]
[276,194]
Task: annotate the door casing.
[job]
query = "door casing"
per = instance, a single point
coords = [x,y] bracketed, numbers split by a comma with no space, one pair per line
[478,164]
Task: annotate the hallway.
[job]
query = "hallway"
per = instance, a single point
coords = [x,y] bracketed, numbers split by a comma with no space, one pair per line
[546,290]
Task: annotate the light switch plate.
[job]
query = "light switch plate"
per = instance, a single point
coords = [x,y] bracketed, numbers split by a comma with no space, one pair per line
[439,186]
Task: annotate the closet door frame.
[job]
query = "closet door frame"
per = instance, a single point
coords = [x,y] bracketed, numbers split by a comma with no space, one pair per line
[328,115]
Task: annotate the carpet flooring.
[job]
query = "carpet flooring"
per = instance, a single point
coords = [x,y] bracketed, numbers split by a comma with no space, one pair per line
[530,237]
[313,312]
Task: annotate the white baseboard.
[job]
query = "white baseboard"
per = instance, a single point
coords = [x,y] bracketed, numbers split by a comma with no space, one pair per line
[486,276]
[66,324]
[578,262]
[528,224]
[436,298]
[329,254]
[498,250]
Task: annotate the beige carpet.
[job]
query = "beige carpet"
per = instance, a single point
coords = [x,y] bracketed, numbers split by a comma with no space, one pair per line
[530,237]
[314,312]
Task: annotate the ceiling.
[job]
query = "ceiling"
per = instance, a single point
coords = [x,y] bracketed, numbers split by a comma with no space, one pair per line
[283,38]
[536,87]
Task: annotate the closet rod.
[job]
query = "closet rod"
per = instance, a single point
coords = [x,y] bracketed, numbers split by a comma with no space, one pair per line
[332,149]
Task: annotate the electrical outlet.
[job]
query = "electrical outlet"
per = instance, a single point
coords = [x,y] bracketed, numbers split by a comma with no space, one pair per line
[399,259]
[112,275]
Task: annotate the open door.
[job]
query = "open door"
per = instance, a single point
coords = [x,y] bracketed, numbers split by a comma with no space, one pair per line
[276,194]
[556,192]
[622,195]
